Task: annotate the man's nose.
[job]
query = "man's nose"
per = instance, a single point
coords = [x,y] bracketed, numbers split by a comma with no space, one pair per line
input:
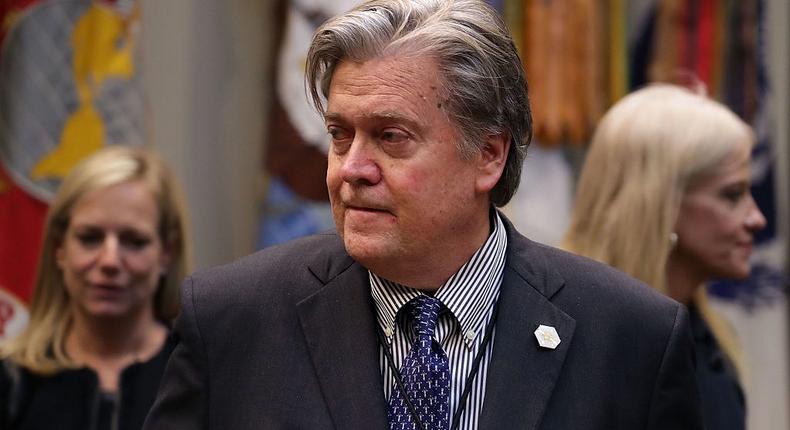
[360,166]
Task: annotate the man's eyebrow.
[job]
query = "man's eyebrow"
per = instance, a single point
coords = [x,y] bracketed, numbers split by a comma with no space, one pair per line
[390,116]
[331,116]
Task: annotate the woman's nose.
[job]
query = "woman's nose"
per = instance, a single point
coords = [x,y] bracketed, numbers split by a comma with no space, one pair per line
[755,220]
[109,256]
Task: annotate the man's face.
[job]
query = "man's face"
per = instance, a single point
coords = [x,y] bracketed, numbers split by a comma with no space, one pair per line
[403,198]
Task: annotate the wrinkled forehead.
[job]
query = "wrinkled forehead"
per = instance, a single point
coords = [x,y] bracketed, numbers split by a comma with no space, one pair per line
[386,87]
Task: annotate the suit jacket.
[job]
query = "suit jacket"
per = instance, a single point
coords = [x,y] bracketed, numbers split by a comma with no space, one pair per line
[285,338]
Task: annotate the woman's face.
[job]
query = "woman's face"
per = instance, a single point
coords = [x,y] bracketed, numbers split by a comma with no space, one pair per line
[717,221]
[112,256]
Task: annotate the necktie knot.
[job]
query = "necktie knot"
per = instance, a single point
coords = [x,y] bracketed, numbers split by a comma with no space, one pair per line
[425,312]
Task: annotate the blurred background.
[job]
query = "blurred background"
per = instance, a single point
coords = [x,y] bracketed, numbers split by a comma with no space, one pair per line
[217,89]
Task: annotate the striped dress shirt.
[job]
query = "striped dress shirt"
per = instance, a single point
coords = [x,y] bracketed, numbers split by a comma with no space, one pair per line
[468,298]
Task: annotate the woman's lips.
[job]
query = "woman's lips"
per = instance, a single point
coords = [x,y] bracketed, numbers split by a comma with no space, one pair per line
[107,288]
[746,246]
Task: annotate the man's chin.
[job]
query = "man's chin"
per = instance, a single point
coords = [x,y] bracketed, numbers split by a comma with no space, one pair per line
[368,250]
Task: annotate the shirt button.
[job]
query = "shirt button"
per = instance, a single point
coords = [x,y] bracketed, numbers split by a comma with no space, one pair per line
[388,331]
[470,334]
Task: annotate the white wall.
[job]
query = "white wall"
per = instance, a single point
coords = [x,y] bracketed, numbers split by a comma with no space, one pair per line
[207,81]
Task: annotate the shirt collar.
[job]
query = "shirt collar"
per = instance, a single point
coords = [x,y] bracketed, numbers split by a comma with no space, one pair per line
[469,293]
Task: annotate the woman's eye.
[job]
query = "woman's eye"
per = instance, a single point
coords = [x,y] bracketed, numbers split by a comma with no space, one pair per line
[90,238]
[134,240]
[733,195]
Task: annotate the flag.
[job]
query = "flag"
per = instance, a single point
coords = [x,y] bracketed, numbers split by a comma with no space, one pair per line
[297,203]
[21,221]
[67,87]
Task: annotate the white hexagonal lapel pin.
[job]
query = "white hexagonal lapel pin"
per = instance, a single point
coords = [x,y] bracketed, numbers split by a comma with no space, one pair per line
[547,336]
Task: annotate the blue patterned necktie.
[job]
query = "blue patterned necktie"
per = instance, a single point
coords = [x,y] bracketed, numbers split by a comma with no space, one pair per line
[425,373]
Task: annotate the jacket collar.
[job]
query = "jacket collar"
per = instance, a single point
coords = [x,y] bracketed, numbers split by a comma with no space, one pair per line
[522,374]
[340,327]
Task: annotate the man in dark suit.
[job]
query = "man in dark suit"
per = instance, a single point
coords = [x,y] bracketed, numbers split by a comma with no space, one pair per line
[426,309]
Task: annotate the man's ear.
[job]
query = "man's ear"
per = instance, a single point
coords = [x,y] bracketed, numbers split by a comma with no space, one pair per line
[491,160]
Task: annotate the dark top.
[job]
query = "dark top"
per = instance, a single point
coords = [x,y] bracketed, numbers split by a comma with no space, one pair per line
[723,405]
[72,400]
[108,402]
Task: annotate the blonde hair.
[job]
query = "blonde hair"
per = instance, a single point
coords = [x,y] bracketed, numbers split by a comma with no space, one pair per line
[646,152]
[40,347]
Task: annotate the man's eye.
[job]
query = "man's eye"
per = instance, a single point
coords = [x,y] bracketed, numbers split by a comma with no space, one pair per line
[394,136]
[337,133]
[340,139]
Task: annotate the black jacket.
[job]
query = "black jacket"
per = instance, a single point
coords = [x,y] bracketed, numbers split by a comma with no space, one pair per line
[723,404]
[285,339]
[69,400]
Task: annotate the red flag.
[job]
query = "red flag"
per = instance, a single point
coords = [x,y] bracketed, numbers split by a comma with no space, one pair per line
[21,223]
[21,226]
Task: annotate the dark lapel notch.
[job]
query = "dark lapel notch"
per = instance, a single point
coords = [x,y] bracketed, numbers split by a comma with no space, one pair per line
[522,374]
[338,322]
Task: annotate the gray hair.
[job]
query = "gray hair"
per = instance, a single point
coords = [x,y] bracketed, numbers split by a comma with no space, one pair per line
[483,80]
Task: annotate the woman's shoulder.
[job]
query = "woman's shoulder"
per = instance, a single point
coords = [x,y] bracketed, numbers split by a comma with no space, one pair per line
[6,387]
[24,394]
[11,375]
[12,389]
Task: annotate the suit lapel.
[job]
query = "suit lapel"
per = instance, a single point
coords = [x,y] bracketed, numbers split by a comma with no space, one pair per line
[338,322]
[522,374]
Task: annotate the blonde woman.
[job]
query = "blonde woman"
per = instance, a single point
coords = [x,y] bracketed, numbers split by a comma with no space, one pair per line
[115,251]
[664,195]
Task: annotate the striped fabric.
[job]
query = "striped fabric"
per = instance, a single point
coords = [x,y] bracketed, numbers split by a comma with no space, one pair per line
[468,298]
